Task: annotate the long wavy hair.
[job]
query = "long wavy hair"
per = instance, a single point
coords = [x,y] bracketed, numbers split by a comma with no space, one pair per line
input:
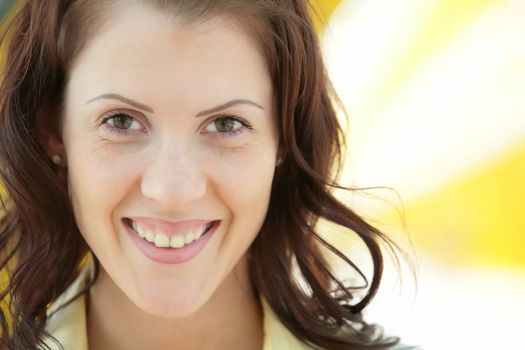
[41,248]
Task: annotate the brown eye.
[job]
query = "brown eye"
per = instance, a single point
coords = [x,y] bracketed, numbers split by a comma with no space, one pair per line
[122,121]
[227,126]
[224,124]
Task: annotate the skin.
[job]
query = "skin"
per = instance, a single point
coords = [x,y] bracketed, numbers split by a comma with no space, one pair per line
[170,165]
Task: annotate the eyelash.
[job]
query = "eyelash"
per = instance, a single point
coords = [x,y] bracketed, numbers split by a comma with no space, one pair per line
[244,125]
[227,134]
[113,128]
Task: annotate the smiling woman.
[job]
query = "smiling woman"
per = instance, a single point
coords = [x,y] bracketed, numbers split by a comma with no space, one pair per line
[166,163]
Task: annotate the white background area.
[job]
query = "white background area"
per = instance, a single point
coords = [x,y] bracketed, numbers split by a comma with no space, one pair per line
[461,106]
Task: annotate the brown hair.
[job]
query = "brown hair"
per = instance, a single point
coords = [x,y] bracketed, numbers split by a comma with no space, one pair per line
[41,247]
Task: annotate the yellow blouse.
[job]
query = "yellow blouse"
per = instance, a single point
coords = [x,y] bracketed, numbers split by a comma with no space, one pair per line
[68,325]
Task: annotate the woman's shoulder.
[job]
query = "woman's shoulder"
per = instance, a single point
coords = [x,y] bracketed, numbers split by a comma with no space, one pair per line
[276,335]
[68,324]
[66,319]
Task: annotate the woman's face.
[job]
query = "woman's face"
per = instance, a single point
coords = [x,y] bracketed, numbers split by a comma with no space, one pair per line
[168,127]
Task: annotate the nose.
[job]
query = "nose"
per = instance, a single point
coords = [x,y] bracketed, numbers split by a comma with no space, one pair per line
[173,177]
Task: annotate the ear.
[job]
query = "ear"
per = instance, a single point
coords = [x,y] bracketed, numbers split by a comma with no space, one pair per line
[50,135]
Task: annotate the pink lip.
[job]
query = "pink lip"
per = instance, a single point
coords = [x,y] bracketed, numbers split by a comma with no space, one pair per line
[169,228]
[171,255]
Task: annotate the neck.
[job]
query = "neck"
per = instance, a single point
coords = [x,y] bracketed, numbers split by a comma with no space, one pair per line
[230,319]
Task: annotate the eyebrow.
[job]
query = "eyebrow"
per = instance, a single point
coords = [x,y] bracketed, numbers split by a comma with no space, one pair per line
[147,108]
[129,101]
[229,104]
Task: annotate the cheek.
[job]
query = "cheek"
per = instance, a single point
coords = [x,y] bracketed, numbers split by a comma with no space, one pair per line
[97,181]
[243,172]
[243,180]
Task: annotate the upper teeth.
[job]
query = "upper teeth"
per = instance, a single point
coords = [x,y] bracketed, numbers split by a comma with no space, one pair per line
[162,240]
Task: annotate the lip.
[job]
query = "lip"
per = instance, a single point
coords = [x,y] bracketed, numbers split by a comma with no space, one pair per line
[167,227]
[171,255]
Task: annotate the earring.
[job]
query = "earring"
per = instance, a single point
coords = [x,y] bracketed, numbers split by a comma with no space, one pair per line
[56,159]
[279,161]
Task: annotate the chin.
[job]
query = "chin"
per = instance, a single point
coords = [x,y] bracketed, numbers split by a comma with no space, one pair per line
[171,306]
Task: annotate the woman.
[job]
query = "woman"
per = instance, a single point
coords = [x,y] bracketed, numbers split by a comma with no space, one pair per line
[166,163]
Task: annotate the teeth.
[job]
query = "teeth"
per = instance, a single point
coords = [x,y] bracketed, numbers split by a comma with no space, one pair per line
[140,231]
[199,233]
[188,238]
[176,242]
[162,240]
[150,236]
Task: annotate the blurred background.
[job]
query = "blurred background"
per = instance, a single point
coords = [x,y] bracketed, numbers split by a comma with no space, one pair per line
[435,93]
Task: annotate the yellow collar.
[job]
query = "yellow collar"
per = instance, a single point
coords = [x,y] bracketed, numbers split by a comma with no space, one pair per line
[68,325]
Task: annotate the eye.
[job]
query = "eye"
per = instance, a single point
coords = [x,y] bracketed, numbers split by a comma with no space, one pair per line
[227,126]
[121,122]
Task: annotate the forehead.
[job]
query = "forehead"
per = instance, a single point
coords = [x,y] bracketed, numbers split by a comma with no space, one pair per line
[141,50]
